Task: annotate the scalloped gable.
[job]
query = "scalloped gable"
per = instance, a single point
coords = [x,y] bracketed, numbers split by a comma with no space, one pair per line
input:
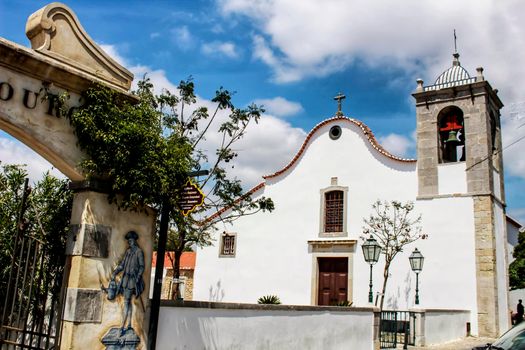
[366,131]
[55,31]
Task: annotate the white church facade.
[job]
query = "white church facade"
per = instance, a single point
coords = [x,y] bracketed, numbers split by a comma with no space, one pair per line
[310,245]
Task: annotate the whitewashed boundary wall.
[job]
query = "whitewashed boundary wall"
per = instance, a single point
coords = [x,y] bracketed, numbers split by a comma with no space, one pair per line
[208,325]
[440,326]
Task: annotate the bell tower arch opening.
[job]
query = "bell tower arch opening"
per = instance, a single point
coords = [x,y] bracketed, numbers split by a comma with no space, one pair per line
[451,135]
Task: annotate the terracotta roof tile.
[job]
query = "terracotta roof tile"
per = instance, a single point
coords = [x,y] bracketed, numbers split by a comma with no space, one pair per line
[187,260]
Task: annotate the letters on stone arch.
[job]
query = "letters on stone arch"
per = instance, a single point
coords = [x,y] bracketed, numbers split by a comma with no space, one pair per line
[62,58]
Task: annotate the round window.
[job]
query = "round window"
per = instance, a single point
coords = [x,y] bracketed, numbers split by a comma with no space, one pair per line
[335,132]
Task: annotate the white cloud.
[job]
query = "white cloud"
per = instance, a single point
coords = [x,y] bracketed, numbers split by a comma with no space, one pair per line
[396,144]
[323,37]
[182,37]
[266,147]
[513,134]
[227,49]
[280,106]
[157,77]
[112,51]
[15,152]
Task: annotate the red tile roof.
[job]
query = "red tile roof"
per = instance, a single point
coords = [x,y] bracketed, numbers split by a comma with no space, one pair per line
[187,260]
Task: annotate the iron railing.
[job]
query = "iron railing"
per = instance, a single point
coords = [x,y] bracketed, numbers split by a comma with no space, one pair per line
[31,311]
[397,327]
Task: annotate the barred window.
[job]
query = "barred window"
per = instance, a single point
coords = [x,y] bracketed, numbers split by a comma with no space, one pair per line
[334,211]
[228,244]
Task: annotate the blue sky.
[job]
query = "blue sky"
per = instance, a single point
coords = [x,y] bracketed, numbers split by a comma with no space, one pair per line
[295,55]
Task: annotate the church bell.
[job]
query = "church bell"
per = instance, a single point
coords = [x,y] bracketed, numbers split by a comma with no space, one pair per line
[452,137]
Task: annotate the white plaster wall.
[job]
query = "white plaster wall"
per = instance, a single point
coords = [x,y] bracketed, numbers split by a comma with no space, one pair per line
[497,183]
[448,278]
[272,251]
[514,296]
[502,267]
[452,178]
[444,326]
[512,240]
[203,328]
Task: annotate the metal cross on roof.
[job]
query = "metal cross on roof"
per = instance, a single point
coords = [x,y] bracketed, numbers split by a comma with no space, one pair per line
[455,42]
[339,98]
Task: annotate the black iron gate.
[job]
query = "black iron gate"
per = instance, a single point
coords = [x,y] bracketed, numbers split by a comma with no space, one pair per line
[31,311]
[397,327]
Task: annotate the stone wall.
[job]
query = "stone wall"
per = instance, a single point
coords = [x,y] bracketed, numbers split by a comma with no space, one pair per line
[167,284]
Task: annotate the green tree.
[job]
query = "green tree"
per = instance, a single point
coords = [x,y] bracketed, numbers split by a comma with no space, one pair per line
[517,267]
[145,147]
[47,213]
[393,228]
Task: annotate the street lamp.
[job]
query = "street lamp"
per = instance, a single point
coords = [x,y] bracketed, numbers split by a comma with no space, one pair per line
[371,251]
[416,263]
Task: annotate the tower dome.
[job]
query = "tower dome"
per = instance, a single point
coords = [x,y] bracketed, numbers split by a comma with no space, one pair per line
[454,76]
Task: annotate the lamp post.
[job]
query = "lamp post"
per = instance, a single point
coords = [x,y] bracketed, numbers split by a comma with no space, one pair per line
[371,251]
[416,263]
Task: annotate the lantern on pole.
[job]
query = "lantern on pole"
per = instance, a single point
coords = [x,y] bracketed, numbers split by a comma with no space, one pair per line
[416,263]
[371,251]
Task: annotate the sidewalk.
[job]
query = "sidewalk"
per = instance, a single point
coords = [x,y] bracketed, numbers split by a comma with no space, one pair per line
[464,344]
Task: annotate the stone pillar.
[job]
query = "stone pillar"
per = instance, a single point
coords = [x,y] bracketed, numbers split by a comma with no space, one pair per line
[377,325]
[427,150]
[95,248]
[419,327]
[486,273]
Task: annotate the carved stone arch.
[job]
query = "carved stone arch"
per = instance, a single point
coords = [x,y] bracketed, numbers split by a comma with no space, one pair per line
[451,135]
[63,60]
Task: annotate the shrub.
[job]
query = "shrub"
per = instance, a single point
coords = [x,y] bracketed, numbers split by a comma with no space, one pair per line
[269,299]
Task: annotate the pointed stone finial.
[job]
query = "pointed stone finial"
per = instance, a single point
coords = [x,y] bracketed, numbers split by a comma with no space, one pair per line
[480,76]
[419,85]
[455,61]
[339,98]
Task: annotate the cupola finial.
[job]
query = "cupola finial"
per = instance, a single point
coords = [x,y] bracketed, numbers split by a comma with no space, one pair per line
[455,61]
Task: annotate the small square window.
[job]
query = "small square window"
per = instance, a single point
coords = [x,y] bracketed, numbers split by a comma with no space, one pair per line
[228,244]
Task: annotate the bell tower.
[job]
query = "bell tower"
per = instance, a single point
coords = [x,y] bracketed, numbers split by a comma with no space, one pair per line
[459,155]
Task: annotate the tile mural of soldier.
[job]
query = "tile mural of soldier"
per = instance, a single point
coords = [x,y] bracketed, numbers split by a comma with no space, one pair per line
[131,283]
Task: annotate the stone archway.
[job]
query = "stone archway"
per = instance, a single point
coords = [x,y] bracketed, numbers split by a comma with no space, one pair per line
[63,58]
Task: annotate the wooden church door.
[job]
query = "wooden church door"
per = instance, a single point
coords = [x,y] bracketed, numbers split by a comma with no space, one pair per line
[333,280]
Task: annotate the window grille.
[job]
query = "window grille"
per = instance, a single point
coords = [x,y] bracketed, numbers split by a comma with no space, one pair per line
[333,221]
[228,244]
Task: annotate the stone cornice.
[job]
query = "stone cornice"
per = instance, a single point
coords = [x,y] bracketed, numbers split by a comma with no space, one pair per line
[458,195]
[472,90]
[263,307]
[48,70]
